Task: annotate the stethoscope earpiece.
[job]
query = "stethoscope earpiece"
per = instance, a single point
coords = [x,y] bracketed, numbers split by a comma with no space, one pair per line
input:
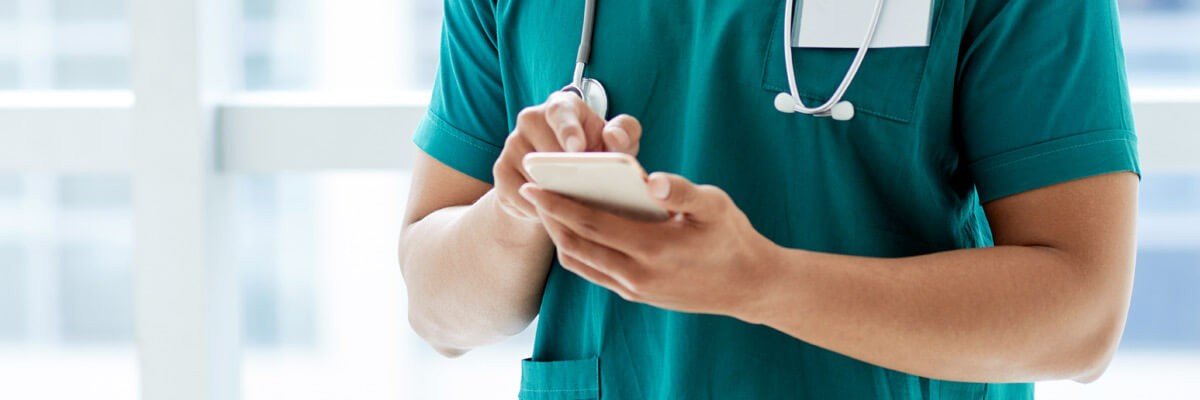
[842,111]
[784,103]
[835,107]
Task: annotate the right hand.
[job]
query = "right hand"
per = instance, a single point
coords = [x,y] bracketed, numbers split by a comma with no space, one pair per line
[562,123]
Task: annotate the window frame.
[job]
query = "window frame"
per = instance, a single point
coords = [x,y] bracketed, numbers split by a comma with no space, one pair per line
[180,146]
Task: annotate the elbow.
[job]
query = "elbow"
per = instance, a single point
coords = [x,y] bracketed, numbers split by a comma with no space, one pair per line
[401,247]
[454,334]
[1098,337]
[1094,360]
[1093,351]
[439,336]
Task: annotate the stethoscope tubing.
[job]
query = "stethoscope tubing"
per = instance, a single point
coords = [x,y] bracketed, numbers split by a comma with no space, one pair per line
[585,42]
[847,79]
[585,51]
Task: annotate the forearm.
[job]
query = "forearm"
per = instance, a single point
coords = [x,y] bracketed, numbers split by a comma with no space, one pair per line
[998,314]
[474,274]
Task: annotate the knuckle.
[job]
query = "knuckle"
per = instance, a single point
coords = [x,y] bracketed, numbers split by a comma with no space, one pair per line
[497,169]
[654,258]
[499,172]
[529,115]
[562,102]
[568,243]
[587,227]
[567,261]
[719,199]
[505,172]
[649,250]
[630,124]
[639,284]
[513,138]
[556,105]
[588,221]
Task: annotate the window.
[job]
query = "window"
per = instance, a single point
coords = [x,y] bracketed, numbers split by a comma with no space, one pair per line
[66,278]
[317,172]
[63,45]
[1160,42]
[325,302]
[363,47]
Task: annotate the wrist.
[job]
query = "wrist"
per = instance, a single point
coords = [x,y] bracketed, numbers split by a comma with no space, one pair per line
[762,284]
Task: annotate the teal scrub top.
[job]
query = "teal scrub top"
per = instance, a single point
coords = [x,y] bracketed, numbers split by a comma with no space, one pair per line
[1011,95]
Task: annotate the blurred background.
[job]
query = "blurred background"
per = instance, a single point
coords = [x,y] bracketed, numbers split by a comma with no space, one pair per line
[301,111]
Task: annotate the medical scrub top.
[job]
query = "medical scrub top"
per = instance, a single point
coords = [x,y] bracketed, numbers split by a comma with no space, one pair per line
[1010,96]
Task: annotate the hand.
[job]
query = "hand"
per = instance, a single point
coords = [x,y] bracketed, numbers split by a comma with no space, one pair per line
[562,123]
[707,258]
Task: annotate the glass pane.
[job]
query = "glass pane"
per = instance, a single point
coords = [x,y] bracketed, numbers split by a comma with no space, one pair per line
[322,292]
[10,74]
[371,47]
[277,283]
[63,44]
[96,282]
[8,10]
[82,10]
[13,294]
[1161,46]
[66,287]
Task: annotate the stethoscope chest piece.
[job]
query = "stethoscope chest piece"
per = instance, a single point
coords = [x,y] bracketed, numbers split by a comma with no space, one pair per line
[595,96]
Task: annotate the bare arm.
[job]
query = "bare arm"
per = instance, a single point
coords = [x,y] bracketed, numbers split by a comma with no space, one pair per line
[475,257]
[1048,302]
[475,274]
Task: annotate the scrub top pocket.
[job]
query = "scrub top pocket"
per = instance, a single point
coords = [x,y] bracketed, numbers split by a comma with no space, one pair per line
[886,85]
[560,380]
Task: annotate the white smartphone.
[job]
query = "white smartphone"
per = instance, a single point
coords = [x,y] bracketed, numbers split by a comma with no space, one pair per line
[611,181]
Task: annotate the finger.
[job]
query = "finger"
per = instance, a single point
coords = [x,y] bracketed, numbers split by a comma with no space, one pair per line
[509,176]
[623,134]
[602,227]
[676,193]
[577,266]
[574,124]
[612,263]
[506,180]
[532,127]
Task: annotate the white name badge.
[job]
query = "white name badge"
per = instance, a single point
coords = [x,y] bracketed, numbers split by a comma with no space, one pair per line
[844,23]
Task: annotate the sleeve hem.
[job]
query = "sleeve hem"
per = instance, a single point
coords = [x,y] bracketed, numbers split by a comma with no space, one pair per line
[1056,161]
[456,148]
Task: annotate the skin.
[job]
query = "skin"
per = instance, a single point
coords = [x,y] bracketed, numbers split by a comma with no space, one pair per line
[1047,302]
[475,257]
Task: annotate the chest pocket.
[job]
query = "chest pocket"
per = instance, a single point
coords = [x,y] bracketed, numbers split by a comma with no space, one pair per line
[886,85]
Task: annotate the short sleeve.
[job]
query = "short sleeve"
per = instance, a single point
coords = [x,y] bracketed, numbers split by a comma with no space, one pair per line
[466,124]
[1042,96]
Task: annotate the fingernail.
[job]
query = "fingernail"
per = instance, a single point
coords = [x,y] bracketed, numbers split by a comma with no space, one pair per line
[660,187]
[574,144]
[526,192]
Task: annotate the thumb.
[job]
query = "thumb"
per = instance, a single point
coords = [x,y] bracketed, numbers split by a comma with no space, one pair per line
[677,194]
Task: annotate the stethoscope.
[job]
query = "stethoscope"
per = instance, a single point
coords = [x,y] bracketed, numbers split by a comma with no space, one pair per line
[594,95]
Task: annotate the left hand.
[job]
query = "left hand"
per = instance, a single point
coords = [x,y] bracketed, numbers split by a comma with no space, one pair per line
[707,258]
